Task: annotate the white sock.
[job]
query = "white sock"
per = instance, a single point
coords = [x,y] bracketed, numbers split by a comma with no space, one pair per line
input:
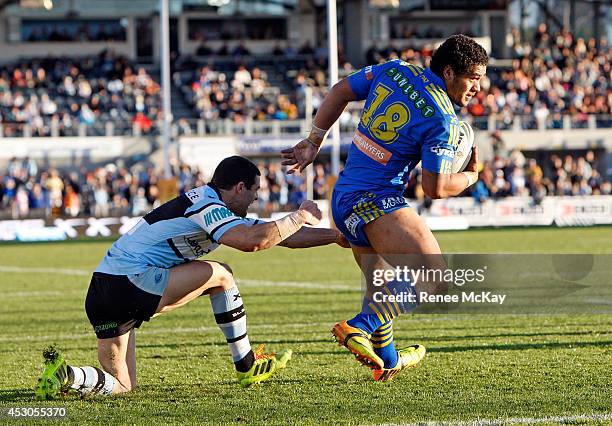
[91,380]
[231,319]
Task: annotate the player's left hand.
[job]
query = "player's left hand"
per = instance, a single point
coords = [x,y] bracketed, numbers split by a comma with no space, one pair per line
[300,156]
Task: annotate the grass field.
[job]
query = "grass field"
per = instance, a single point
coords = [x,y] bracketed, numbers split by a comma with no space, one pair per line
[477,367]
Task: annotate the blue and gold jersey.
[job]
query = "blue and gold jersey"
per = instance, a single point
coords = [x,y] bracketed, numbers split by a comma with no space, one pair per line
[407,118]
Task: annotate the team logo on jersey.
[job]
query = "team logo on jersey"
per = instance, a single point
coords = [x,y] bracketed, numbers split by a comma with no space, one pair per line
[390,202]
[217,214]
[442,152]
[351,224]
[368,72]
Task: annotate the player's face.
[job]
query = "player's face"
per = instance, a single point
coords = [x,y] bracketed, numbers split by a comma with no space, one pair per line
[246,196]
[461,88]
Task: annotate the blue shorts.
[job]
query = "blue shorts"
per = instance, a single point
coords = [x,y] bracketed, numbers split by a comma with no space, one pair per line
[353,210]
[154,280]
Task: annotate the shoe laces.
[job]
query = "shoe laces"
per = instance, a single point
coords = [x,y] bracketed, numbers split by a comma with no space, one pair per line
[259,353]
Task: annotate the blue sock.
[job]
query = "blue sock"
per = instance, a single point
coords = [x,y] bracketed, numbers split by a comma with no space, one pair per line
[376,313]
[366,322]
[376,319]
[382,340]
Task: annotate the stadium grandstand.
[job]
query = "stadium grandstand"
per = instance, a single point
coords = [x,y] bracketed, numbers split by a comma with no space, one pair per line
[81,119]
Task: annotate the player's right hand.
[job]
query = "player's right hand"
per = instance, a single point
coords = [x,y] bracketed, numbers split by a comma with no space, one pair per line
[300,156]
[310,212]
[472,165]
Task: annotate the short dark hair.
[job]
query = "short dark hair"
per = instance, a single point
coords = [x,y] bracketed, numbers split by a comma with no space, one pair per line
[460,52]
[233,170]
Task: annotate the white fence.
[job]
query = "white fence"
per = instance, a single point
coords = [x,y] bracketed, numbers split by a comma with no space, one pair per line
[464,213]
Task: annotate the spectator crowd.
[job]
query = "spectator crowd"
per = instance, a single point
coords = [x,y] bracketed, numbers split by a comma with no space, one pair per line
[550,77]
[28,190]
[511,174]
[62,94]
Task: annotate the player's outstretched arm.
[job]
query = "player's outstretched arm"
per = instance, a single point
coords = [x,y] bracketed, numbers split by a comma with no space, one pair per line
[266,235]
[313,237]
[304,153]
[437,185]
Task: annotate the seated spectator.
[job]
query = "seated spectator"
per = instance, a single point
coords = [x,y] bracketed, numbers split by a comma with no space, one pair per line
[306,49]
[203,49]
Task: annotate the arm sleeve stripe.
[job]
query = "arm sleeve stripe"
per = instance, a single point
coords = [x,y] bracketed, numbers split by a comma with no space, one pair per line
[445,99]
[415,70]
[437,98]
[202,208]
[212,233]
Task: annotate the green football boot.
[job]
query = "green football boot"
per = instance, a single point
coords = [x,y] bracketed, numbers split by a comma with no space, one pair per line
[264,367]
[407,358]
[54,379]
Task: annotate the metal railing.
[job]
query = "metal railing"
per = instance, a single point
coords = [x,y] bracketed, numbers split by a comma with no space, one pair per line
[250,127]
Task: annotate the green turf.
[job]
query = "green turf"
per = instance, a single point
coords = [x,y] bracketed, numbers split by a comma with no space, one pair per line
[477,366]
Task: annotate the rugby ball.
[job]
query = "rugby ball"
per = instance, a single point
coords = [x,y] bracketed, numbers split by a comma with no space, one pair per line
[463,152]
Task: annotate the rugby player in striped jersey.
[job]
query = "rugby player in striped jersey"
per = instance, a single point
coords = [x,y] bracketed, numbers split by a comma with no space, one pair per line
[153,269]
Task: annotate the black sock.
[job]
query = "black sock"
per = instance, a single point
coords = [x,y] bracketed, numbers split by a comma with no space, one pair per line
[70,376]
[245,363]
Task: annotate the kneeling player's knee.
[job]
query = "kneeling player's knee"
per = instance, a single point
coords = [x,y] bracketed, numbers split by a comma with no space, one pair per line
[227,268]
[225,276]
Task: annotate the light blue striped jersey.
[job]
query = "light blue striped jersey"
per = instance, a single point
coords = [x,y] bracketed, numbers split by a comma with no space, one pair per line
[181,230]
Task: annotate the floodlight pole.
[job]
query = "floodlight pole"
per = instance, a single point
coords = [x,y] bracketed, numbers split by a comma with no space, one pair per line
[165,62]
[309,170]
[332,39]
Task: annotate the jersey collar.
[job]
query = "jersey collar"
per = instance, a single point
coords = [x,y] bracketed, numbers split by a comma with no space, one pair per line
[433,77]
[214,188]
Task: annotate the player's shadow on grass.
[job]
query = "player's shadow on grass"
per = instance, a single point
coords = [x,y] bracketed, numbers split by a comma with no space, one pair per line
[319,293]
[400,336]
[333,351]
[520,346]
[16,395]
[408,326]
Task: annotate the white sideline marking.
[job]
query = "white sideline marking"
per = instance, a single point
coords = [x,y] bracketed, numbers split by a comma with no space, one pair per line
[248,282]
[18,294]
[60,271]
[297,284]
[173,330]
[516,420]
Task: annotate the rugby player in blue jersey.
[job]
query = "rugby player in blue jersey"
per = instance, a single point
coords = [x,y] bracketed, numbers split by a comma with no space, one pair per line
[408,117]
[153,270]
